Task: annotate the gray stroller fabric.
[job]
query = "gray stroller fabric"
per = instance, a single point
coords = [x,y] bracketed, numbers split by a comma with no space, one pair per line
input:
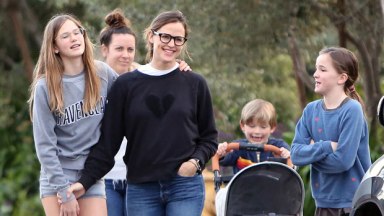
[266,188]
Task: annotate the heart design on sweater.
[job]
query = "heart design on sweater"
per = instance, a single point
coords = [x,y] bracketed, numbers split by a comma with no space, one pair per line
[159,106]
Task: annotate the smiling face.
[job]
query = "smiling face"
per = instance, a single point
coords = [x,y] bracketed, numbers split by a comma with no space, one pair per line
[257,132]
[327,78]
[69,42]
[165,54]
[120,53]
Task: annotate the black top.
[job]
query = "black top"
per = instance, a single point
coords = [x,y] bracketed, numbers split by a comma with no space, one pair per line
[166,119]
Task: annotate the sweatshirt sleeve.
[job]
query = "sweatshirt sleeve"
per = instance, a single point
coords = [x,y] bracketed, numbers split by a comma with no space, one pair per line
[207,142]
[352,128]
[101,158]
[302,152]
[230,159]
[45,139]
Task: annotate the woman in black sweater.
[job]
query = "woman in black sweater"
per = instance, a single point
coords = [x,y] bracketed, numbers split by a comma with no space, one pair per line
[167,117]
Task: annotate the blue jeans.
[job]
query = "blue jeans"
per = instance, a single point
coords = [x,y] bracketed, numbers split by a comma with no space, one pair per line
[174,197]
[116,197]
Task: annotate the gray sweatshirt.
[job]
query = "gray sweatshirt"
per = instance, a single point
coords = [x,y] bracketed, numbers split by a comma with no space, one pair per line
[64,141]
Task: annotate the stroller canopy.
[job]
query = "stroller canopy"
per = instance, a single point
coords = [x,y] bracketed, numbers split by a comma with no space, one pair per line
[267,188]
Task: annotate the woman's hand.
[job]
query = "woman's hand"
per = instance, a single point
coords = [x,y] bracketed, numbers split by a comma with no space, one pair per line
[183,66]
[187,169]
[77,189]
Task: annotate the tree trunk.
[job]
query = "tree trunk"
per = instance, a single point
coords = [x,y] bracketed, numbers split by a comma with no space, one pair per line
[341,26]
[367,40]
[301,76]
[382,6]
[13,10]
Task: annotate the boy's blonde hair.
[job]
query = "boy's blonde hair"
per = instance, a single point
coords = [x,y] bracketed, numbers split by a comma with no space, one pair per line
[260,111]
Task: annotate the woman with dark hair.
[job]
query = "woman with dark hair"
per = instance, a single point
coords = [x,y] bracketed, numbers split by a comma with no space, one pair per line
[118,47]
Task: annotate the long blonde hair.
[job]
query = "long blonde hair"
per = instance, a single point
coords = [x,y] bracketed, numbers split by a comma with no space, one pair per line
[50,66]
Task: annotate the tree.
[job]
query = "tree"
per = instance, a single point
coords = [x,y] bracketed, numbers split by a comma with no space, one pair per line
[13,10]
[246,49]
[361,24]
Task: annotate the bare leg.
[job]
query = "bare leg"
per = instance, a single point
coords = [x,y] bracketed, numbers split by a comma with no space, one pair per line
[95,206]
[51,206]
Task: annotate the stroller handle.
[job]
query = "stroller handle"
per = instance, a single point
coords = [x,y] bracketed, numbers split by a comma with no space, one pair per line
[243,146]
[248,147]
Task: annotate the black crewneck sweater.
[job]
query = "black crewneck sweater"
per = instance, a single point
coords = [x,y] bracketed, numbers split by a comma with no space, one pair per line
[166,119]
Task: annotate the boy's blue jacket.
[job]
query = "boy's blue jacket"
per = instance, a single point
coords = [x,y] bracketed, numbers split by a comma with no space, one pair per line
[231,158]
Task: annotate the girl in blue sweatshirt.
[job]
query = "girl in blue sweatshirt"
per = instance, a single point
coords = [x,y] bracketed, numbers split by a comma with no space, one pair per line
[332,134]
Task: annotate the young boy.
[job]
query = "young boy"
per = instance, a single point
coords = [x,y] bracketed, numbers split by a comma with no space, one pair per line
[258,122]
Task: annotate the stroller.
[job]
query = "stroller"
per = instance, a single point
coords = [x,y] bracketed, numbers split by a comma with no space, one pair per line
[264,189]
[369,197]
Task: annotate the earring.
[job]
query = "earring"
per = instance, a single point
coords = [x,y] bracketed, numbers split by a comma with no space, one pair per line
[56,51]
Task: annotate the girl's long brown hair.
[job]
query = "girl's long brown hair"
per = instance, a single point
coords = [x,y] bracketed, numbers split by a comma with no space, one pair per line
[346,62]
[50,66]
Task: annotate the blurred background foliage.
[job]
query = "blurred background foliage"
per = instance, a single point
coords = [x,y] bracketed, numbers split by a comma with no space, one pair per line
[246,49]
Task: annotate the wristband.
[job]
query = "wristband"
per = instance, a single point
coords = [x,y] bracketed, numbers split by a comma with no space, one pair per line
[63,195]
[197,165]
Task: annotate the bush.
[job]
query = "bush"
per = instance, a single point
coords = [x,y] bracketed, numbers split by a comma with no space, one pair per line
[19,167]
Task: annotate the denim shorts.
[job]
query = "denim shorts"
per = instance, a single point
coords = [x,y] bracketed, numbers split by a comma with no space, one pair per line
[46,190]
